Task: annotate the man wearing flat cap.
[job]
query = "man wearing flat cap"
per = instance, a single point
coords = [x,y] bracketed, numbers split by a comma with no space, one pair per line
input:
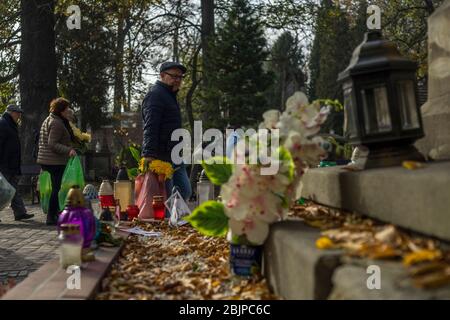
[162,115]
[10,157]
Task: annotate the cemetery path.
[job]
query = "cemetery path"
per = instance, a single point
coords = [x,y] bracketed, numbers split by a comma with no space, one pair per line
[25,245]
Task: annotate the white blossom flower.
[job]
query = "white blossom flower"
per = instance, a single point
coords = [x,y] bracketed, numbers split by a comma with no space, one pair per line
[253,201]
[248,193]
[295,102]
[271,118]
[306,125]
[255,231]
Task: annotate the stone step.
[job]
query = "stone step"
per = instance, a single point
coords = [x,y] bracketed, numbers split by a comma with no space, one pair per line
[350,283]
[414,199]
[296,270]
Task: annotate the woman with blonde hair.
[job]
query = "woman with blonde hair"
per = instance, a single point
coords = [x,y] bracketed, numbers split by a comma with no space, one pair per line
[55,149]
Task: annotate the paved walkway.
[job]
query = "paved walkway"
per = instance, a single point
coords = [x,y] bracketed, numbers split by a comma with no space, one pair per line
[25,246]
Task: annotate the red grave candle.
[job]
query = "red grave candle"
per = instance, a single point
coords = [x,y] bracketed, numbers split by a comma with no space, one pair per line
[158,207]
[133,212]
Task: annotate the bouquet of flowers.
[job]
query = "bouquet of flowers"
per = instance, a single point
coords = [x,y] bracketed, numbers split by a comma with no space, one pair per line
[162,169]
[82,138]
[150,183]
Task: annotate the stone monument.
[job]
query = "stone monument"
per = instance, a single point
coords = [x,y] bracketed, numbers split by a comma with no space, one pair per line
[436,111]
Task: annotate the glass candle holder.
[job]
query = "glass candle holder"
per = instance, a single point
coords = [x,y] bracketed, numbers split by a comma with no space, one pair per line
[71,242]
[123,191]
[133,212]
[158,207]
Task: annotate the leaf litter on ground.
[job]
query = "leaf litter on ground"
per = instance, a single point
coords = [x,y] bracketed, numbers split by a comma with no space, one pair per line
[181,264]
[427,263]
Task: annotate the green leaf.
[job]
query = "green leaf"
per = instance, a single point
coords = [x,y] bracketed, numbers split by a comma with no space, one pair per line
[135,153]
[218,170]
[286,157]
[209,219]
[133,173]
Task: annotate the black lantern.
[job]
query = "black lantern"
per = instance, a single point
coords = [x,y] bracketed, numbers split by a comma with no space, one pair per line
[380,100]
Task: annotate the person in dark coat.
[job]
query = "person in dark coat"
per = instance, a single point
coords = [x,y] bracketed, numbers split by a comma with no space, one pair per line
[162,116]
[10,157]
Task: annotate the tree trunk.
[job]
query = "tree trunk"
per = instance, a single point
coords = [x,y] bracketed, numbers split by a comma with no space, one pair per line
[190,94]
[37,69]
[119,86]
[130,78]
[129,90]
[176,35]
[207,31]
[176,51]
[283,86]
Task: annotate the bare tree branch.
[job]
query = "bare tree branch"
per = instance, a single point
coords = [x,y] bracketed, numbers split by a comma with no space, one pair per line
[11,76]
[9,44]
[10,20]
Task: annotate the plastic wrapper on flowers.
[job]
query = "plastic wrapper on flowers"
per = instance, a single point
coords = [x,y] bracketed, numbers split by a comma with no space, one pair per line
[252,195]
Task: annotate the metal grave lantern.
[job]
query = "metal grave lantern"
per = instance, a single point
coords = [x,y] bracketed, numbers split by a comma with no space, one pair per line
[380,102]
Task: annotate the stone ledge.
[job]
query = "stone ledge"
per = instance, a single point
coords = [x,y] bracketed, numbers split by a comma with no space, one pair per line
[349,283]
[414,199]
[49,282]
[294,268]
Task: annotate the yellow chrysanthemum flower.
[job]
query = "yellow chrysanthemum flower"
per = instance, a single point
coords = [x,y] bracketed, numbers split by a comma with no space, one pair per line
[83,137]
[162,168]
[86,137]
[157,166]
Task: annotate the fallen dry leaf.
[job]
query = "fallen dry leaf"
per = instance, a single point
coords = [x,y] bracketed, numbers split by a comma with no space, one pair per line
[378,251]
[413,165]
[433,280]
[420,256]
[325,243]
[388,235]
[429,267]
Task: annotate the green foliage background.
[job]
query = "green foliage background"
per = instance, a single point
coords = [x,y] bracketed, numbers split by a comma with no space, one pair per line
[248,74]
[239,80]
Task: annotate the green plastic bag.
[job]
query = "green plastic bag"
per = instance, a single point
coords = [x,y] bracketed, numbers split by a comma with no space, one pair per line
[73,175]
[45,190]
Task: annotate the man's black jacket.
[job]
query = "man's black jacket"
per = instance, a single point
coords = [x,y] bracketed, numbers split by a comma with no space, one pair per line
[161,115]
[10,155]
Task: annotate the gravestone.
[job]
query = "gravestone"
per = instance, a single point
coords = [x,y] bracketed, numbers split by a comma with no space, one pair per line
[436,111]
